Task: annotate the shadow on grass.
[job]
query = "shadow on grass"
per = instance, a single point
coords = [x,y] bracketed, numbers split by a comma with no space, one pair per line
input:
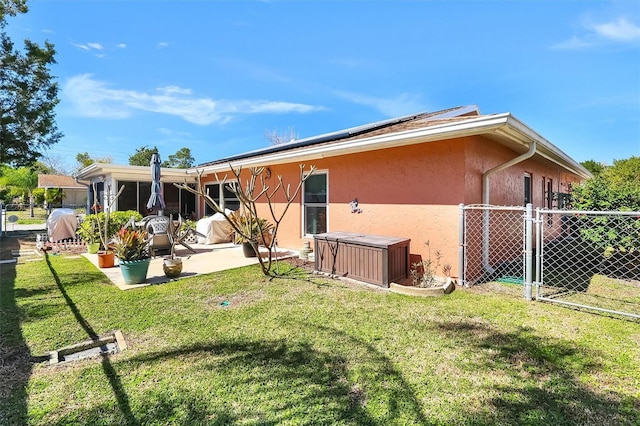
[269,383]
[15,356]
[543,385]
[569,265]
[324,391]
[109,371]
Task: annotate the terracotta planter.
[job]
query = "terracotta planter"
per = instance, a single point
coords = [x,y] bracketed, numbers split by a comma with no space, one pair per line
[172,267]
[134,271]
[106,259]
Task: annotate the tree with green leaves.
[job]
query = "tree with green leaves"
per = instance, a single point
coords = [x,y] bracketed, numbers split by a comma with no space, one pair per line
[85,160]
[615,188]
[28,95]
[593,166]
[21,181]
[180,160]
[143,155]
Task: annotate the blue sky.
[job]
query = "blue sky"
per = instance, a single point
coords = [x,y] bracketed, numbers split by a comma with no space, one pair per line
[217,76]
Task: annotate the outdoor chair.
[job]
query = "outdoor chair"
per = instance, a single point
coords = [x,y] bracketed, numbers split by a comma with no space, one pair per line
[157,227]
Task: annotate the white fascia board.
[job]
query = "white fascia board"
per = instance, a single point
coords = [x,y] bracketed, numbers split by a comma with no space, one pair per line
[503,124]
[546,149]
[468,127]
[122,172]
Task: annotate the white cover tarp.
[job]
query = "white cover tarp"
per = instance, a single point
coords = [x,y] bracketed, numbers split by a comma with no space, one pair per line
[215,229]
[62,224]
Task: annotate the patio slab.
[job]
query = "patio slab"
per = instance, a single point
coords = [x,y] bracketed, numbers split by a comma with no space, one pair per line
[207,259]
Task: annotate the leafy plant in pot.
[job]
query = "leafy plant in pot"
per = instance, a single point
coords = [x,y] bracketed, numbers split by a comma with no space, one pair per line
[88,232]
[254,231]
[132,249]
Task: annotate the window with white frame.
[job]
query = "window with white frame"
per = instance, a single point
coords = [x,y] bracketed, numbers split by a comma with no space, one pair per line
[222,195]
[315,201]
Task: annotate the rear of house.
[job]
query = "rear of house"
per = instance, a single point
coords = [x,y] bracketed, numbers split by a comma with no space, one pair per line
[406,177]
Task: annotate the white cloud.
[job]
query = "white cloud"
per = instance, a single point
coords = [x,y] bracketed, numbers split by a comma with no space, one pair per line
[618,31]
[88,46]
[163,44]
[574,43]
[121,45]
[404,103]
[93,98]
[81,46]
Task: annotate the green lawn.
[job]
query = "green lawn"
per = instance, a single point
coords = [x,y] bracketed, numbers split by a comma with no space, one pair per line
[307,352]
[24,216]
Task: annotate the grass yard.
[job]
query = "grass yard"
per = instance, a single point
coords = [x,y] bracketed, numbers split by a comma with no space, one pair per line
[24,215]
[305,352]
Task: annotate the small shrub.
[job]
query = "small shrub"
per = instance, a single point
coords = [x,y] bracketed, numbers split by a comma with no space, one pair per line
[425,273]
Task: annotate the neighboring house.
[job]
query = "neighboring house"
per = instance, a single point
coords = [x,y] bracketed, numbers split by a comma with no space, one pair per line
[75,194]
[409,176]
[108,178]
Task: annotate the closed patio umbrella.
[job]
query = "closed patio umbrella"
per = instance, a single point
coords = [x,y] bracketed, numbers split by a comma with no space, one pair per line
[156,201]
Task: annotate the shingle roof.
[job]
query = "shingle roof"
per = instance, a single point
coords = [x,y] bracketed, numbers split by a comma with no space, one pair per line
[58,181]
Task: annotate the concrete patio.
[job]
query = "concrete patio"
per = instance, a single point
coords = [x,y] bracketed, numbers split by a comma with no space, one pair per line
[207,259]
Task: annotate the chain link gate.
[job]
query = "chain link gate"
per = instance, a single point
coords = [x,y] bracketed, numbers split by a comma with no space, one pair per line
[494,245]
[589,260]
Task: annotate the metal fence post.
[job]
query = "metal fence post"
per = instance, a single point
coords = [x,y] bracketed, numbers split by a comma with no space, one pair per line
[461,244]
[528,252]
[539,253]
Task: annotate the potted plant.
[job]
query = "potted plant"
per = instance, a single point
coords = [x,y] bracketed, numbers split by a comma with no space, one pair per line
[88,232]
[172,265]
[253,232]
[131,246]
[106,256]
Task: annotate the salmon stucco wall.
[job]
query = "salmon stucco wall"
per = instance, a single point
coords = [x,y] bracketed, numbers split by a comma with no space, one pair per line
[412,192]
[507,186]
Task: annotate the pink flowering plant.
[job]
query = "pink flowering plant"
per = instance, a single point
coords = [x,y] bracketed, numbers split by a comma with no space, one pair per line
[130,244]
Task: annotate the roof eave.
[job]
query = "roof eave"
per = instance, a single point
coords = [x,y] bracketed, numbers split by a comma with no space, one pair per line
[517,130]
[100,169]
[504,125]
[482,124]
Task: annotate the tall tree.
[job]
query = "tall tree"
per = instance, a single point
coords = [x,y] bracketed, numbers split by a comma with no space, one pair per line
[28,95]
[56,163]
[143,155]
[180,160]
[85,160]
[616,187]
[22,181]
[593,166]
[276,138]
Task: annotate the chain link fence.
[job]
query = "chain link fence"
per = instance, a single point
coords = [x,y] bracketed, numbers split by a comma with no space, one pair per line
[14,216]
[582,259]
[494,243]
[589,260]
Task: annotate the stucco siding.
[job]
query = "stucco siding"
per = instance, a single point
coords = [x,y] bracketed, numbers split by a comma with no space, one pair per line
[411,191]
[507,186]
